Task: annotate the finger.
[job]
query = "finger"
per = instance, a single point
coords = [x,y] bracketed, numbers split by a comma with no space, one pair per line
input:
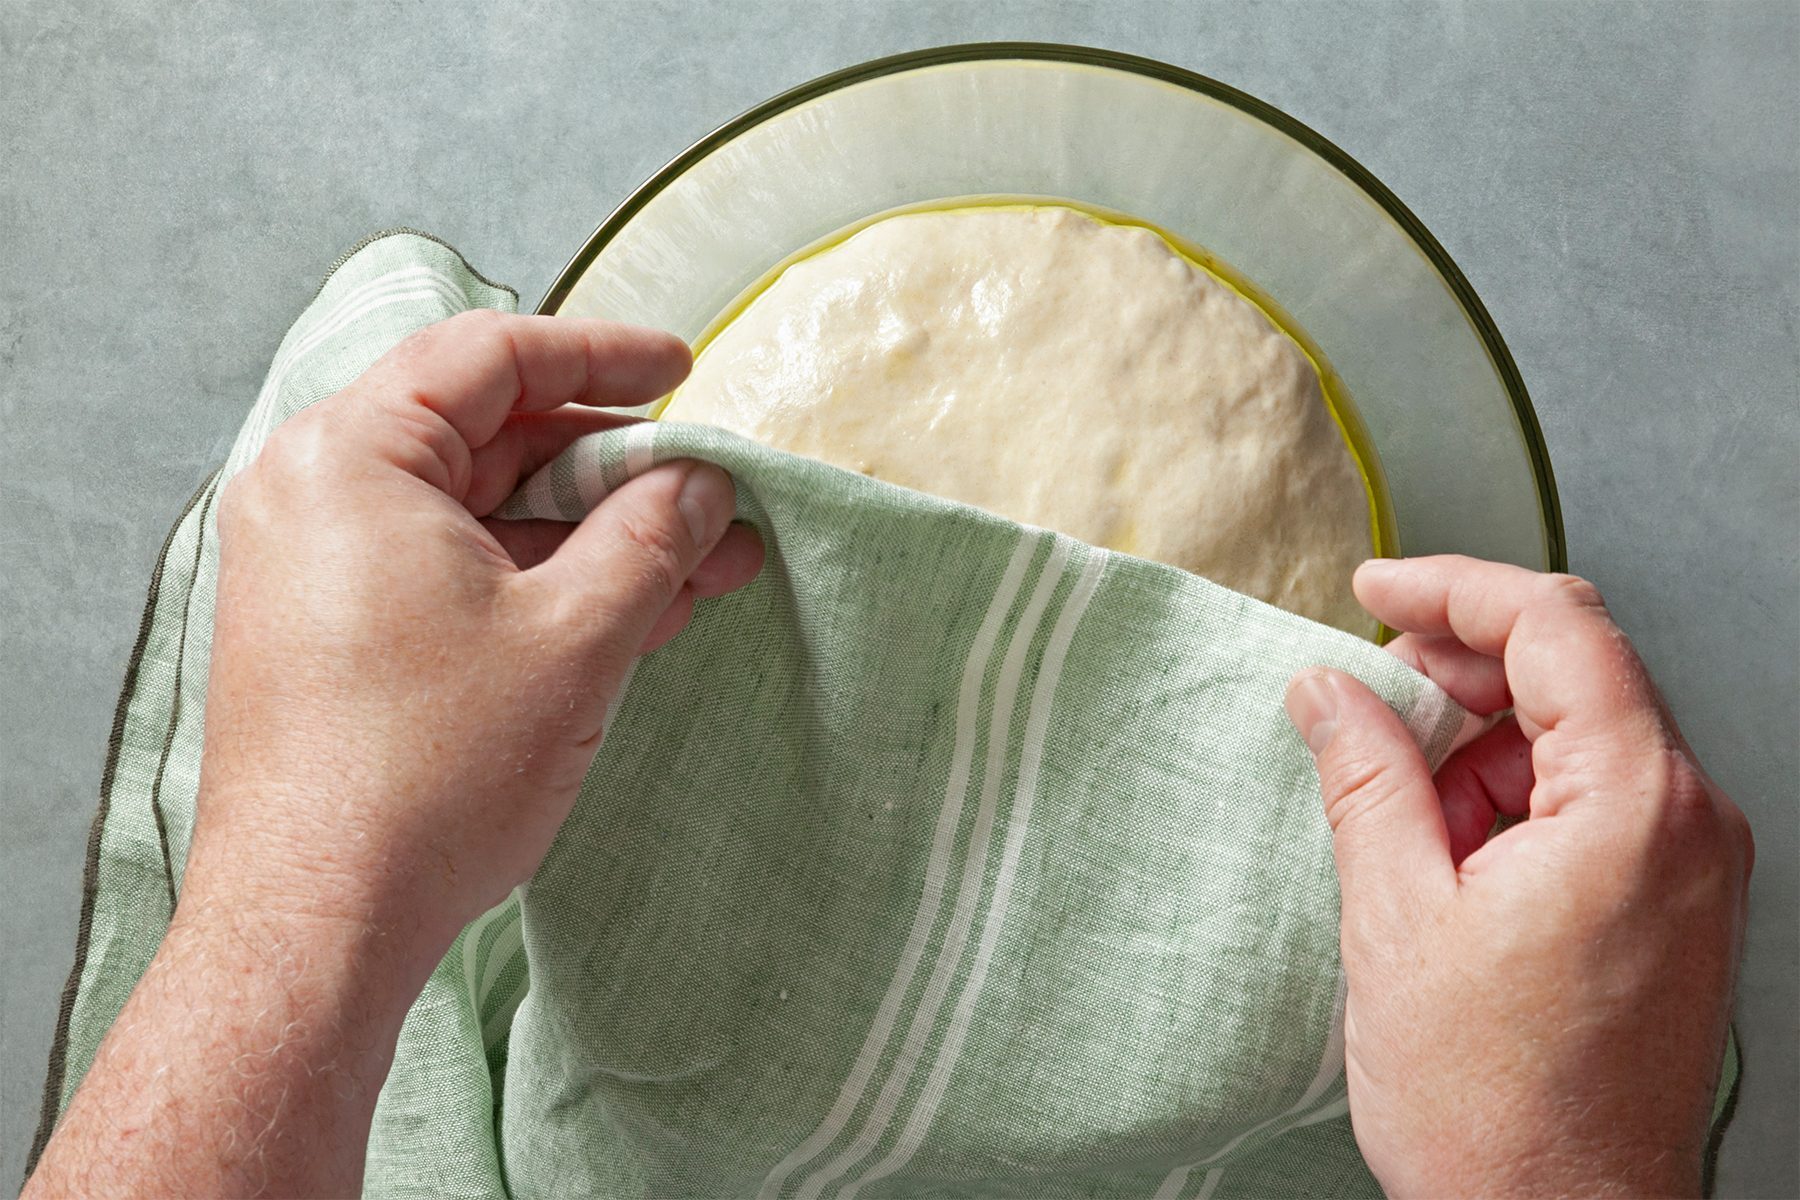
[1387,826]
[447,390]
[1564,658]
[475,368]
[629,559]
[734,562]
[1470,678]
[673,620]
[1449,595]
[529,543]
[524,443]
[1489,777]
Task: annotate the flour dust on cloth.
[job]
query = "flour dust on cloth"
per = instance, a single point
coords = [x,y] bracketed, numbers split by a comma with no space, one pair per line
[952,857]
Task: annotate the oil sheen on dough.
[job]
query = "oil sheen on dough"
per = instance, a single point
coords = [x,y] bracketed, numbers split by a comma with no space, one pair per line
[1063,372]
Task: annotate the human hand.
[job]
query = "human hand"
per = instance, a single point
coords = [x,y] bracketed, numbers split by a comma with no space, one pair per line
[1543,1013]
[405,697]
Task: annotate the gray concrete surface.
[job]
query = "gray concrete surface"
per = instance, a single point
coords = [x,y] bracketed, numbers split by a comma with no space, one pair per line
[1618,181]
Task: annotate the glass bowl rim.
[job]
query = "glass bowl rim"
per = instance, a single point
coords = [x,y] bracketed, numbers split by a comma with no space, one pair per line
[1549,506]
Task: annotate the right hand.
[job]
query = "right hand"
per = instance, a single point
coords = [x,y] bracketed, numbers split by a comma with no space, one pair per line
[405,697]
[1545,1012]
[406,693]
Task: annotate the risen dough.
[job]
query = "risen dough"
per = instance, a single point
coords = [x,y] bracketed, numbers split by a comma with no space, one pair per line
[1063,372]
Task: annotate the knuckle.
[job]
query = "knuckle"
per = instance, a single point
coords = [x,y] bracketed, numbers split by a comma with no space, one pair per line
[1749,843]
[1354,784]
[1683,803]
[237,500]
[469,324]
[1703,837]
[429,445]
[478,318]
[1693,817]
[1737,829]
[300,447]
[658,552]
[1572,590]
[289,466]
[1685,788]
[473,324]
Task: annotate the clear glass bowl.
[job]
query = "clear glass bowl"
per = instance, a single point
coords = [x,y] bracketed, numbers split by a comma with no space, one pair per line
[1436,390]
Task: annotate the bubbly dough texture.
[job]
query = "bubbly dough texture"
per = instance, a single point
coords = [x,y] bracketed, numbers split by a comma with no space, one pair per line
[1063,372]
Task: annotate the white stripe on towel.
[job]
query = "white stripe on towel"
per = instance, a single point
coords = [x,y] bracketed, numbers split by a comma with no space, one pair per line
[1031,757]
[962,915]
[937,868]
[1331,1065]
[640,448]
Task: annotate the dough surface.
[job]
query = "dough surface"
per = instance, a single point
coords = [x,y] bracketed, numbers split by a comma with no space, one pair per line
[1063,372]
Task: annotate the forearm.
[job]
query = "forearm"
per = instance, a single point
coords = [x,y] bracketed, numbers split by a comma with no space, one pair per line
[246,1062]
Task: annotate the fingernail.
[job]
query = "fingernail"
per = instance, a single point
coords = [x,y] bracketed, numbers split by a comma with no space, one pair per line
[707,503]
[1378,566]
[1312,707]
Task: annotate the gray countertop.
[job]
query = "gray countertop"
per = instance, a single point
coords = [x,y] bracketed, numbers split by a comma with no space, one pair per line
[1618,181]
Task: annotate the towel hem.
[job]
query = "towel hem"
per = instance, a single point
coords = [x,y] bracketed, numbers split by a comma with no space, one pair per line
[57,1066]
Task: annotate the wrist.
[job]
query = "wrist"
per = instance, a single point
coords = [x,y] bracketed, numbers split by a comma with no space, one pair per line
[311,947]
[273,873]
[252,1051]
[1640,1179]
[1566,1165]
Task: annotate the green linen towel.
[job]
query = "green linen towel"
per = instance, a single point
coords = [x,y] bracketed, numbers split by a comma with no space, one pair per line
[951,858]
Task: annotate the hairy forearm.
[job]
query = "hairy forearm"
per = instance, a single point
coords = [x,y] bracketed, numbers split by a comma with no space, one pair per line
[246,1062]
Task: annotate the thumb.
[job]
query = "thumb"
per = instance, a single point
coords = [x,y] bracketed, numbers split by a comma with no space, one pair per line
[1387,826]
[627,562]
